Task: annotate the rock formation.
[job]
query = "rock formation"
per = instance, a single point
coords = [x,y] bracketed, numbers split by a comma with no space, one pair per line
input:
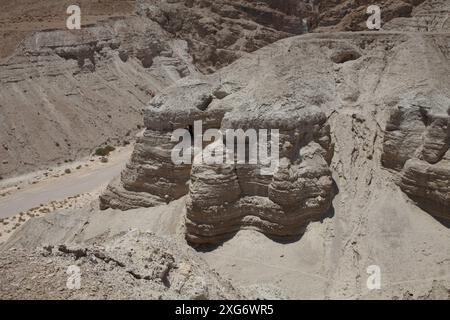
[224,199]
[417,145]
[82,89]
[136,265]
[65,93]
[364,147]
[260,92]
[417,139]
[352,15]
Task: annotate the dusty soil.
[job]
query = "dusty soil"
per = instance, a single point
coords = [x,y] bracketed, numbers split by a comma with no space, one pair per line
[69,186]
[372,222]
[18,19]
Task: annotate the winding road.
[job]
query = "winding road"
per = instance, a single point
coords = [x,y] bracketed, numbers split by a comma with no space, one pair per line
[85,180]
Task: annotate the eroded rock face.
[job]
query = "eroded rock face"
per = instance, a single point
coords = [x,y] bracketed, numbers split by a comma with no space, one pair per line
[81,89]
[417,145]
[135,265]
[225,198]
[417,137]
[65,93]
[429,185]
[297,85]
[151,178]
[221,31]
[428,16]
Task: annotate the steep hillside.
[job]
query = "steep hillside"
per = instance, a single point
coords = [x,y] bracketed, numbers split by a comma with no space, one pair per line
[64,93]
[364,120]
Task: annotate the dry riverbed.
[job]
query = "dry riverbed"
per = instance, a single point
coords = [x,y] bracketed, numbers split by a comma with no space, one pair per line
[71,185]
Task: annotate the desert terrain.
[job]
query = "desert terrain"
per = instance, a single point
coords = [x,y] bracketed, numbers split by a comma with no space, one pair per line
[87,180]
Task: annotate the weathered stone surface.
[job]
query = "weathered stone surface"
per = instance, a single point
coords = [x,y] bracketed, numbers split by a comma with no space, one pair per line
[417,144]
[65,93]
[339,87]
[226,198]
[135,265]
[81,89]
[223,199]
[151,178]
[429,185]
[428,16]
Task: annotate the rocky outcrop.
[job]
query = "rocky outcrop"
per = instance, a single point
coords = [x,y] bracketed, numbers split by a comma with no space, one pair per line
[417,145]
[223,200]
[429,16]
[82,89]
[429,185]
[136,265]
[221,31]
[227,197]
[417,138]
[151,178]
[352,15]
[65,93]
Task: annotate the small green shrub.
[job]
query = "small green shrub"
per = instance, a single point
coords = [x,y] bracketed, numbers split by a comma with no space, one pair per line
[104,151]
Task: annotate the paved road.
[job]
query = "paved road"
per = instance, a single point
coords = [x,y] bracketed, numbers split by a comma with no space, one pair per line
[57,189]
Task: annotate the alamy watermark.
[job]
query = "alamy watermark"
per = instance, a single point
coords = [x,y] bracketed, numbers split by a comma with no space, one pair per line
[74,279]
[230,146]
[73,22]
[374,279]
[374,20]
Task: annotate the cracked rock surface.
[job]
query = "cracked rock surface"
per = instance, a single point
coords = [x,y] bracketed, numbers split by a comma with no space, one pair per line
[392,81]
[134,265]
[363,179]
[65,93]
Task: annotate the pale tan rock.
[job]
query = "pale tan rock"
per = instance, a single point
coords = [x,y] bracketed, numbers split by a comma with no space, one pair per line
[416,143]
[428,185]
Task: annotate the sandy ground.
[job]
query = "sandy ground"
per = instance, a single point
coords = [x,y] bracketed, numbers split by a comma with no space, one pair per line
[313,267]
[38,193]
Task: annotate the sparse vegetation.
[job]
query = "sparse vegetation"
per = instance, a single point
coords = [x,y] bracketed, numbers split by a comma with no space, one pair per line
[104,151]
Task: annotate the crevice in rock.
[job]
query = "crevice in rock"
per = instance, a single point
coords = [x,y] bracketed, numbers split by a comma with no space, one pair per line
[345,56]
[205,103]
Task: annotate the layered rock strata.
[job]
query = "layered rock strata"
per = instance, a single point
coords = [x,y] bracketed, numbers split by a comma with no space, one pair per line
[417,145]
[417,139]
[151,177]
[64,93]
[224,199]
[295,86]
[84,88]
